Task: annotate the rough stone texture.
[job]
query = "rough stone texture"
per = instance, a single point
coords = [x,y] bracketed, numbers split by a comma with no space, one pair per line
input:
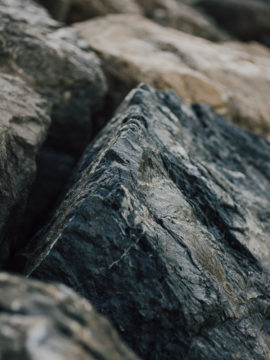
[57,65]
[54,61]
[24,121]
[247,20]
[48,322]
[233,81]
[166,230]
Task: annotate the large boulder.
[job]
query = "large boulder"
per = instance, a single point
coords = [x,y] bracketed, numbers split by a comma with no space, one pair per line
[246,20]
[57,64]
[67,86]
[166,230]
[231,80]
[42,321]
[24,122]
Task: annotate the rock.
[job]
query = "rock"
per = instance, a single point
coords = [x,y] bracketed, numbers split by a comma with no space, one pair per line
[171,13]
[77,10]
[24,124]
[58,66]
[166,229]
[42,321]
[234,82]
[247,20]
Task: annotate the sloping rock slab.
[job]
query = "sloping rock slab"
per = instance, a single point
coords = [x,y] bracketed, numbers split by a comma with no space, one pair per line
[42,321]
[24,122]
[166,230]
[233,81]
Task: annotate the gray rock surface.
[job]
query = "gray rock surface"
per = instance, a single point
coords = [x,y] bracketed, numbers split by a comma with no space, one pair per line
[166,230]
[48,322]
[65,84]
[24,122]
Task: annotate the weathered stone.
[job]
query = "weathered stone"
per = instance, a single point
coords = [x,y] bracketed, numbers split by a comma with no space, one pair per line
[166,230]
[57,65]
[24,121]
[233,81]
[42,321]
[247,20]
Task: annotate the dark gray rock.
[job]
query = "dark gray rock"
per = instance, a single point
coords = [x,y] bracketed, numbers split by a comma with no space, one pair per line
[24,122]
[166,230]
[57,65]
[42,321]
[247,20]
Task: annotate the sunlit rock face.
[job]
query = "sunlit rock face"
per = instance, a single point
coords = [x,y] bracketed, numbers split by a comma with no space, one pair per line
[166,230]
[43,321]
[235,82]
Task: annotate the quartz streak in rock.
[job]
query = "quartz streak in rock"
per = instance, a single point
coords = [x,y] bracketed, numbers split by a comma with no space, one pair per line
[166,230]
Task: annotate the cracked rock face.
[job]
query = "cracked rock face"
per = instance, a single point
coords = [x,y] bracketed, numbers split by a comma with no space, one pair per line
[42,321]
[24,121]
[235,82]
[166,230]
[50,76]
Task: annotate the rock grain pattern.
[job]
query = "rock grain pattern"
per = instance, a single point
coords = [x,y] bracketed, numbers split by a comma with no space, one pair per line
[235,82]
[166,231]
[41,321]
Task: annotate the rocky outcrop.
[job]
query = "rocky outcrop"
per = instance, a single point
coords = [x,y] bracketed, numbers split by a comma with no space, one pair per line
[234,82]
[42,321]
[50,75]
[246,20]
[166,230]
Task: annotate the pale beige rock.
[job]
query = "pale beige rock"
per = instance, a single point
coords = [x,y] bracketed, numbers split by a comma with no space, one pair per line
[229,78]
